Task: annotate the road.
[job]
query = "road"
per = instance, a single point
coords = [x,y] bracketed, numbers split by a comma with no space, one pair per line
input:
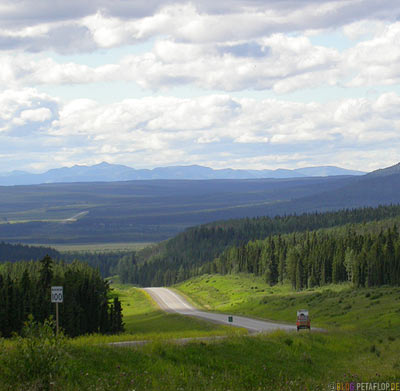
[75,217]
[170,301]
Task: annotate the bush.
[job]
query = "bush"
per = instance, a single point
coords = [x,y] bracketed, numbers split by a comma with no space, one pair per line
[37,358]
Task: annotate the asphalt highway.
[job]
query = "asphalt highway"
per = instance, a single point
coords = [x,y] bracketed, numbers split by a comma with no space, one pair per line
[171,301]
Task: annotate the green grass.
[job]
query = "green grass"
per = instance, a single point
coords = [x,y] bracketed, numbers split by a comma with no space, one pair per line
[101,247]
[278,361]
[365,321]
[369,311]
[361,345]
[145,321]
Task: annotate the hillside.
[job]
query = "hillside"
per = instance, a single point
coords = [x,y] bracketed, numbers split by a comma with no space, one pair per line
[395,169]
[272,247]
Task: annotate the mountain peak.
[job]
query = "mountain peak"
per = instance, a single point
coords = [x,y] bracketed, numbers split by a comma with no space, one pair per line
[102,164]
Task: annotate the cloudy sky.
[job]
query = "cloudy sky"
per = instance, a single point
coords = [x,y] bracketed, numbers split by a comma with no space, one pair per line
[222,83]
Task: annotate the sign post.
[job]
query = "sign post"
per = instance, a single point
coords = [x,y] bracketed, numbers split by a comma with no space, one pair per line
[57,296]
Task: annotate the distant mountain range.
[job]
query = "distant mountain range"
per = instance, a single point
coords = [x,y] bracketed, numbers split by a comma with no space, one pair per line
[149,211]
[105,172]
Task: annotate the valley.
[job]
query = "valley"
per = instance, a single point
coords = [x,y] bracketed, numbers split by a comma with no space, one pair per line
[150,211]
[200,195]
[342,266]
[139,211]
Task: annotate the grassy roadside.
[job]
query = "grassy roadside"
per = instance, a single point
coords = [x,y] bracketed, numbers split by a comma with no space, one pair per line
[367,310]
[363,324]
[277,361]
[145,321]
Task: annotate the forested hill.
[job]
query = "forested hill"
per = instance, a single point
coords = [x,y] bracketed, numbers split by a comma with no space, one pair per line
[179,257]
[363,255]
[18,252]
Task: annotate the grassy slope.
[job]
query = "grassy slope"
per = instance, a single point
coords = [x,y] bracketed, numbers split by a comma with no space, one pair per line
[277,361]
[359,321]
[370,311]
[362,343]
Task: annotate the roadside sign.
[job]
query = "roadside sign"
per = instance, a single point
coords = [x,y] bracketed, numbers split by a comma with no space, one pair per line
[57,294]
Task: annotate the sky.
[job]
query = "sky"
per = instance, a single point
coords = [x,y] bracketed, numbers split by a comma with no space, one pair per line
[250,84]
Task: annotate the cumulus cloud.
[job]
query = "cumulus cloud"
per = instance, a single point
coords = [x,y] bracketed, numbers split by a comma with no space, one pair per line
[278,62]
[376,60]
[36,115]
[236,45]
[77,26]
[191,51]
[216,130]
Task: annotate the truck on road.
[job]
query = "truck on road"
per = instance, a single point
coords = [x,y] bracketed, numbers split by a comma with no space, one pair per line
[303,320]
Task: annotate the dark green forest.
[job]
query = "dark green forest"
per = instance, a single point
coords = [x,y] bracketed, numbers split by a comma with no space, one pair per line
[87,308]
[268,246]
[317,258]
[18,252]
[105,262]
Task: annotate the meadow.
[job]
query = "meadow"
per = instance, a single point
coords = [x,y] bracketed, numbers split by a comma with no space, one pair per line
[100,247]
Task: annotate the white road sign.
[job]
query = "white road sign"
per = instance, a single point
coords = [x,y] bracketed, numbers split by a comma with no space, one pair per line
[57,294]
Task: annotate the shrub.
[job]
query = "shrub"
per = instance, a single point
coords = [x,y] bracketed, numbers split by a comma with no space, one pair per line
[288,341]
[372,349]
[37,358]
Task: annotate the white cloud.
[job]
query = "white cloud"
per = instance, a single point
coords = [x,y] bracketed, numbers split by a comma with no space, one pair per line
[376,61]
[36,115]
[23,106]
[221,129]
[282,64]
[362,29]
[276,62]
[77,26]
[237,45]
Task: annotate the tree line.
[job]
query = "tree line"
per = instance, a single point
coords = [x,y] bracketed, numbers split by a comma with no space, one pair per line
[19,252]
[105,262]
[317,258]
[87,308]
[211,248]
